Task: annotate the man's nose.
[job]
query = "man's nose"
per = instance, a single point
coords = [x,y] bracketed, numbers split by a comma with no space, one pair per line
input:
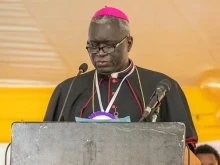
[101,52]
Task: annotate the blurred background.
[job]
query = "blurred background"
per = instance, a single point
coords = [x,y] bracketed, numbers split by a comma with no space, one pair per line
[42,42]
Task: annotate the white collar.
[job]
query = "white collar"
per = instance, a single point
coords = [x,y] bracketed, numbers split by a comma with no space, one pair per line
[115,75]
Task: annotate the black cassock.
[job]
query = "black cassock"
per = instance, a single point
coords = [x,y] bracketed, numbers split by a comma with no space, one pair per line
[129,101]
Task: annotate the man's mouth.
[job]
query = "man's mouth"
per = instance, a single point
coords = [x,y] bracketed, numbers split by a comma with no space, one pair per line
[101,63]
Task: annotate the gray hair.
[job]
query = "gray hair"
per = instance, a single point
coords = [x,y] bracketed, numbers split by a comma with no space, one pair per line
[123,25]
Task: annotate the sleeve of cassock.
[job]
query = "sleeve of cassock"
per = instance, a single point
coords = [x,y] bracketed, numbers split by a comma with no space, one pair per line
[53,106]
[177,110]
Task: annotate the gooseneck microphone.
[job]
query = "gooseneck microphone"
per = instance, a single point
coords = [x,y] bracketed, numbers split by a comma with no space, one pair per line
[161,89]
[82,68]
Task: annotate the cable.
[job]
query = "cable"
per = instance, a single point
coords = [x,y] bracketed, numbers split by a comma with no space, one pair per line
[6,153]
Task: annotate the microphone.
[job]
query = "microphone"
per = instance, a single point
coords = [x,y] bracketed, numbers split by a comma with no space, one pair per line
[161,89]
[82,68]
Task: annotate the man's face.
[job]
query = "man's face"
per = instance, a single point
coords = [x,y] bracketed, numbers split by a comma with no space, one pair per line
[108,35]
[207,159]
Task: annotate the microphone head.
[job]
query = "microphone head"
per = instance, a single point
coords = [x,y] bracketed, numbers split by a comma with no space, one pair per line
[165,84]
[83,67]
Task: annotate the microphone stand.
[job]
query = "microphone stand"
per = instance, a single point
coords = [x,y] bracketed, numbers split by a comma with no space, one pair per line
[155,112]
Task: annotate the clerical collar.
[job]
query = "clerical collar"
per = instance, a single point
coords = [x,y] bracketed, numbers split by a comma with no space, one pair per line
[120,74]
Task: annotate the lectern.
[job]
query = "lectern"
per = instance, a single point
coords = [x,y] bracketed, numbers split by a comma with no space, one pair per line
[68,143]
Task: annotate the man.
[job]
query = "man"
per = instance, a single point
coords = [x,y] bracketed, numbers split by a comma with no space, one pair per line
[207,155]
[116,88]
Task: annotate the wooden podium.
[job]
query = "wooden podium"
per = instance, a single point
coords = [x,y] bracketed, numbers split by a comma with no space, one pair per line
[193,160]
[52,143]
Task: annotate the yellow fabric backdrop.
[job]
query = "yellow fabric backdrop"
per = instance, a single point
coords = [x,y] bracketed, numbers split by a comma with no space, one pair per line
[29,104]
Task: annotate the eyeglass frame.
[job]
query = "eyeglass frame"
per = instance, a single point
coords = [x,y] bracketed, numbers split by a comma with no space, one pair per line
[101,48]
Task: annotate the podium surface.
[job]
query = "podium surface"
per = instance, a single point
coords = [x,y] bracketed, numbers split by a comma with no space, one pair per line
[97,143]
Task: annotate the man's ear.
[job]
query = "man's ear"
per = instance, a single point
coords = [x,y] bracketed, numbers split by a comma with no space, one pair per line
[130,43]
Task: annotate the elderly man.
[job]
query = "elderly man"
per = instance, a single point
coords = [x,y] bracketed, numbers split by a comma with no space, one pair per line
[117,88]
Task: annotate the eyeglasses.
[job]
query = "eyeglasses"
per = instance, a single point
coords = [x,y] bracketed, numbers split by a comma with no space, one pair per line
[105,49]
